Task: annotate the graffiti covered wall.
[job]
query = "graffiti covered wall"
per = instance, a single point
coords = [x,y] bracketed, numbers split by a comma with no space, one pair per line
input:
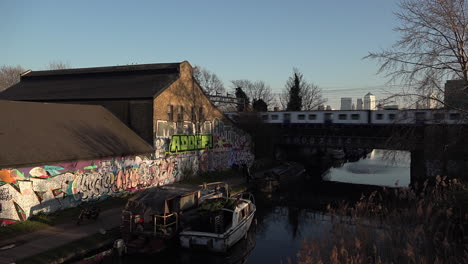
[179,152]
[216,147]
[182,149]
[27,191]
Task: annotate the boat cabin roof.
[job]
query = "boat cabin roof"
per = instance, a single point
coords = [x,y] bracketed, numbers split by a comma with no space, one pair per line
[155,200]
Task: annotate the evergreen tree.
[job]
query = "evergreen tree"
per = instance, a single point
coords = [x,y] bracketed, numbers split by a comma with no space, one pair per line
[259,105]
[240,94]
[295,98]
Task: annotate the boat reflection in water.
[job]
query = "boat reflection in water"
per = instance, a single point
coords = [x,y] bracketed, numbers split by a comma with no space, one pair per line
[237,254]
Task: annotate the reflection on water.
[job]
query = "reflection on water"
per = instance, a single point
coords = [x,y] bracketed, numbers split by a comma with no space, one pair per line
[296,212]
[379,167]
[282,230]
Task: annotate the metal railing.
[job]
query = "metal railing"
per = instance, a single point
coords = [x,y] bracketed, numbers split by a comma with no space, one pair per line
[162,225]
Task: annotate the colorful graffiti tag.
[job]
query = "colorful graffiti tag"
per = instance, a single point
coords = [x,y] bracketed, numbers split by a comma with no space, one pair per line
[178,152]
[27,191]
[186,143]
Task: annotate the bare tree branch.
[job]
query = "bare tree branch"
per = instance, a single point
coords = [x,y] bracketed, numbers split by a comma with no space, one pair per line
[432,48]
[58,65]
[9,75]
[310,93]
[209,81]
[255,90]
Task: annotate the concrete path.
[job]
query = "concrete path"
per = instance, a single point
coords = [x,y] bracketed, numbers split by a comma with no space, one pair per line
[55,236]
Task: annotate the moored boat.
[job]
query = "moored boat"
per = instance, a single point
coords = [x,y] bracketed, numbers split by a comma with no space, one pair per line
[153,218]
[221,224]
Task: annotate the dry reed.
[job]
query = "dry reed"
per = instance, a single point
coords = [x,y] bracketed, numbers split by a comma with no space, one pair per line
[425,224]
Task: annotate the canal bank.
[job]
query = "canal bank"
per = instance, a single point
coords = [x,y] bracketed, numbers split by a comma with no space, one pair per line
[67,241]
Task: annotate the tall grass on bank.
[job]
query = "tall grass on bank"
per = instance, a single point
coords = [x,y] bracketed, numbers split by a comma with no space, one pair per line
[428,224]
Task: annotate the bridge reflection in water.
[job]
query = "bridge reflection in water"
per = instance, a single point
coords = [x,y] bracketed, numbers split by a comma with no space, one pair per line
[379,167]
[297,212]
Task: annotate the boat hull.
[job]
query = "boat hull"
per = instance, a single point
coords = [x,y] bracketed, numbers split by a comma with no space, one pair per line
[216,242]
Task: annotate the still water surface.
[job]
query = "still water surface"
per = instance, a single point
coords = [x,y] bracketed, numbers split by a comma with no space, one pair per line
[379,167]
[286,219]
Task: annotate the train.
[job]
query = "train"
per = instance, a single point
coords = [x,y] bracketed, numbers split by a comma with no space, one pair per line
[407,117]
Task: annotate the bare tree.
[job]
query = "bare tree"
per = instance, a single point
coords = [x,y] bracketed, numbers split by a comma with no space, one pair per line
[209,81]
[310,93]
[431,50]
[255,90]
[9,75]
[58,65]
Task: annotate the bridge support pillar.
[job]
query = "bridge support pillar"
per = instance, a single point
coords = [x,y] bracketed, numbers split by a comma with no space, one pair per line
[418,167]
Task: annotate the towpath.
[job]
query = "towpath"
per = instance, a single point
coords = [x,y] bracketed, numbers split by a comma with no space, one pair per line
[30,244]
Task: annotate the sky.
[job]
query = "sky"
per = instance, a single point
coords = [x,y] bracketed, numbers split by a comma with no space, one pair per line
[256,40]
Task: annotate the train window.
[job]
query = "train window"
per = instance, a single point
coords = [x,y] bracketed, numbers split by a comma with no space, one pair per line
[379,116]
[355,116]
[312,116]
[328,116]
[420,115]
[301,117]
[274,117]
[342,116]
[287,116]
[439,116]
[454,116]
[264,117]
[391,116]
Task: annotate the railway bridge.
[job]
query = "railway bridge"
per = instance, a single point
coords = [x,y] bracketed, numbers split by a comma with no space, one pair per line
[437,138]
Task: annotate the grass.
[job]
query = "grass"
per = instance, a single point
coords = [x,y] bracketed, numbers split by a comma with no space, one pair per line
[423,225]
[42,220]
[75,249]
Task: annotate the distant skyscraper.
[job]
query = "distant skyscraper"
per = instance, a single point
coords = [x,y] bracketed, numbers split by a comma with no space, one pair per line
[359,104]
[346,103]
[369,102]
[427,102]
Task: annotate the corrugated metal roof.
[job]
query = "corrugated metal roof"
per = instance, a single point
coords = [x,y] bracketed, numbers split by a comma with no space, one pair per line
[44,133]
[117,82]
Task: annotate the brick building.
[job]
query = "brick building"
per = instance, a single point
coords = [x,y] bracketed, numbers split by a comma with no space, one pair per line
[162,103]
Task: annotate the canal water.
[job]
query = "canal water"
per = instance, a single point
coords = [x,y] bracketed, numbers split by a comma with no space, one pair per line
[297,212]
[379,167]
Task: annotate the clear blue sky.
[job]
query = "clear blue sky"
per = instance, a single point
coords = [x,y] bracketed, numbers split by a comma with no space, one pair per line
[256,40]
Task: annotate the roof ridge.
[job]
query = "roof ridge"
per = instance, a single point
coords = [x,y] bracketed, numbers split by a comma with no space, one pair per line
[103,69]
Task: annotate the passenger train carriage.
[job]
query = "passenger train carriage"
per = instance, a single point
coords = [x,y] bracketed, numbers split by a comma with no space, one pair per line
[411,116]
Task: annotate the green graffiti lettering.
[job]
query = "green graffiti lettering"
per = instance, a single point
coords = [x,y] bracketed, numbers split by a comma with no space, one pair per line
[191,142]
[174,146]
[205,142]
[185,143]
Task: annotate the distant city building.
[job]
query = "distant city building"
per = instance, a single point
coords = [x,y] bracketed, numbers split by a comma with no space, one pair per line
[346,103]
[427,102]
[359,104]
[369,102]
[353,107]
[456,94]
[329,108]
[321,107]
